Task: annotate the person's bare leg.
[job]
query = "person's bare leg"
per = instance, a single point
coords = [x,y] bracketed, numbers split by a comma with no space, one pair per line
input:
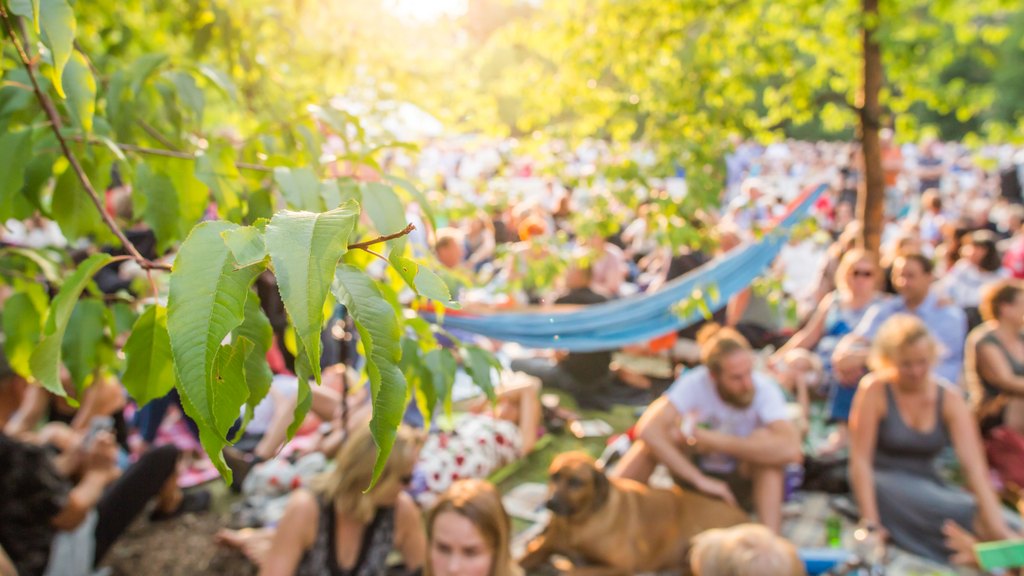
[637,464]
[769,484]
[523,407]
[277,431]
[170,496]
[325,402]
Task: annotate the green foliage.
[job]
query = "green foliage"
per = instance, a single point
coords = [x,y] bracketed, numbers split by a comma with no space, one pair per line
[255,328]
[149,373]
[380,336]
[58,24]
[45,360]
[23,326]
[206,302]
[81,92]
[304,249]
[86,342]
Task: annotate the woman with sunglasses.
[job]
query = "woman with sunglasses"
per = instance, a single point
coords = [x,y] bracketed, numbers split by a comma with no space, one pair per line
[857,281]
[337,528]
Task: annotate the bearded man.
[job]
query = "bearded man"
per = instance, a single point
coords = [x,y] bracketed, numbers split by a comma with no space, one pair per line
[722,429]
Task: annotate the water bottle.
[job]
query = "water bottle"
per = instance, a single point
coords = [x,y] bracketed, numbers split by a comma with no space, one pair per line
[834,531]
[794,479]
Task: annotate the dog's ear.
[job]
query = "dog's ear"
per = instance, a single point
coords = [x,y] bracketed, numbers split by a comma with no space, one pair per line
[602,486]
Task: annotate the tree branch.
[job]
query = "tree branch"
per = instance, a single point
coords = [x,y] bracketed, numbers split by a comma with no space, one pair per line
[55,124]
[366,244]
[155,134]
[835,98]
[165,153]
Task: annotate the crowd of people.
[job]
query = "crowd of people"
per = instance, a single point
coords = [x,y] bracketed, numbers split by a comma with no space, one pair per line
[916,352]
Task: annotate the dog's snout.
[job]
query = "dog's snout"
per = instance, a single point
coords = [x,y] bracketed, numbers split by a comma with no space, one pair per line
[557,506]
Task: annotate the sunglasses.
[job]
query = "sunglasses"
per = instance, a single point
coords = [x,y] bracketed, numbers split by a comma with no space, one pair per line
[863,273]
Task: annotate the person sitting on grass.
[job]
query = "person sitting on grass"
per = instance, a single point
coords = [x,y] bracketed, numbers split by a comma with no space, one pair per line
[902,420]
[338,527]
[722,429]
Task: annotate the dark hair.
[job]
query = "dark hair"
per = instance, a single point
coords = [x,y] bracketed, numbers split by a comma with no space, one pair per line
[926,264]
[33,493]
[996,295]
[987,240]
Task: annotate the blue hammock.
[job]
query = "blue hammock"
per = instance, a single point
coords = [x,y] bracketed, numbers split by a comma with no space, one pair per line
[642,317]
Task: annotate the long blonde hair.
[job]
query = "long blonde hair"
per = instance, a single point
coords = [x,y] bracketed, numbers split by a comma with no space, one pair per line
[353,470]
[479,502]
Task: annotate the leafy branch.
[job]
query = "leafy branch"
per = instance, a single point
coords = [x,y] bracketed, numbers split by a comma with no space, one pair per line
[55,125]
[366,244]
[164,152]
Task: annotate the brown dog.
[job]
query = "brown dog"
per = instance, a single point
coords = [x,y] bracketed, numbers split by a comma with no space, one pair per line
[619,526]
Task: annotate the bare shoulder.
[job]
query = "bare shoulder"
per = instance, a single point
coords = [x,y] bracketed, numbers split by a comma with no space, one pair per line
[871,385]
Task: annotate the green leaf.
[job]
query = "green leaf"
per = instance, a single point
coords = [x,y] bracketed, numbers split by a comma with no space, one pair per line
[419,379]
[72,209]
[23,327]
[430,285]
[142,68]
[304,249]
[300,188]
[330,193]
[256,328]
[23,8]
[149,370]
[190,95]
[58,27]
[16,150]
[380,335]
[45,359]
[81,92]
[217,170]
[84,341]
[46,266]
[384,207]
[220,80]
[206,302]
[229,391]
[416,195]
[156,201]
[442,368]
[246,245]
[192,195]
[37,177]
[478,363]
[405,267]
[124,318]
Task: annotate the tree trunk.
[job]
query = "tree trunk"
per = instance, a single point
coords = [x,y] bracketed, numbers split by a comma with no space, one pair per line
[871,196]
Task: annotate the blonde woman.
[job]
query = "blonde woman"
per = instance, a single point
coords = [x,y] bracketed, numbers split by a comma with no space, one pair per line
[468,533]
[857,279]
[902,419]
[339,529]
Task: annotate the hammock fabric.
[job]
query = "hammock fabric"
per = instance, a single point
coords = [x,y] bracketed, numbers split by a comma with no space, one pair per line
[639,318]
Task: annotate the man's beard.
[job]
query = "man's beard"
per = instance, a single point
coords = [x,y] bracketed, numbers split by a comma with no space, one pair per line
[736,401]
